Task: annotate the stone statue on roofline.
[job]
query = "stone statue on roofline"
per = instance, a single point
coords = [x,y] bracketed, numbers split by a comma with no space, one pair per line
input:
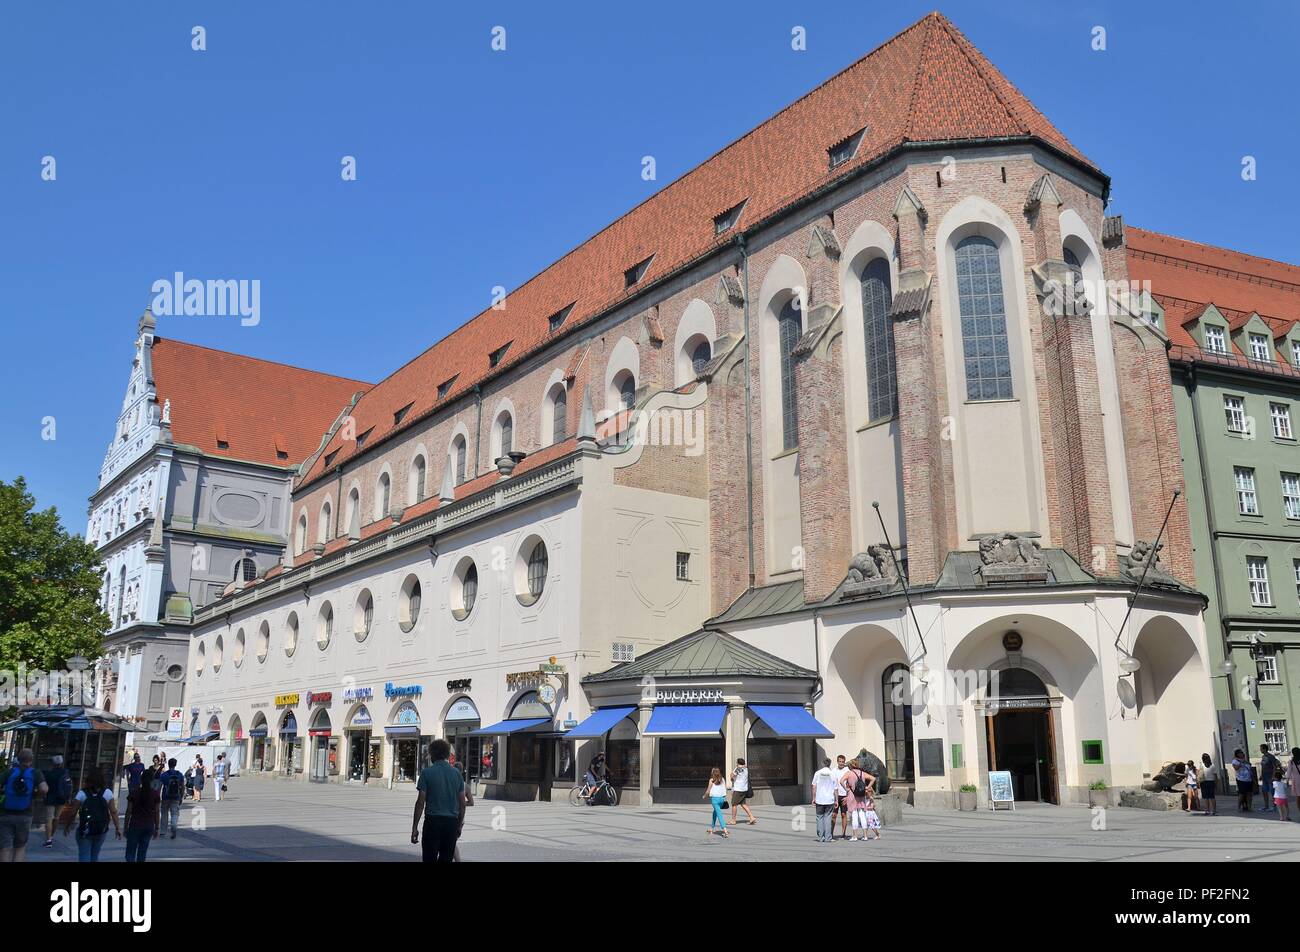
[1010,548]
[874,565]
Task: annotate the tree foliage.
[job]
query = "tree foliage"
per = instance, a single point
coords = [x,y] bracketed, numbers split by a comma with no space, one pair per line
[49,587]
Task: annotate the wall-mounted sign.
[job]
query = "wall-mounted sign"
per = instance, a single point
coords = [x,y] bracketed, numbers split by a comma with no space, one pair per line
[214,709]
[463,710]
[358,694]
[929,755]
[256,704]
[1000,789]
[407,714]
[688,696]
[402,690]
[319,697]
[550,667]
[286,700]
[175,720]
[362,717]
[524,679]
[462,685]
[1020,703]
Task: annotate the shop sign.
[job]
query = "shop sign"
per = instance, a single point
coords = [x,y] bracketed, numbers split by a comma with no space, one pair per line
[402,690]
[319,697]
[408,715]
[524,679]
[688,697]
[1018,703]
[362,717]
[258,704]
[463,710]
[570,724]
[550,667]
[286,700]
[214,709]
[175,719]
[461,685]
[358,694]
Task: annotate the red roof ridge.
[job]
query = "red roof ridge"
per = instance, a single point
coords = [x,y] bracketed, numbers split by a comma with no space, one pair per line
[160,339]
[1245,258]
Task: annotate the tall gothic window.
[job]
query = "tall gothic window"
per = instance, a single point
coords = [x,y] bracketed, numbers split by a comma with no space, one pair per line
[418,468]
[983,320]
[559,416]
[507,435]
[882,376]
[896,690]
[458,452]
[384,496]
[789,330]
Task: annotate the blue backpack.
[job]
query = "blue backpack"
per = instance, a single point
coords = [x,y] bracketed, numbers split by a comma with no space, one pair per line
[19,788]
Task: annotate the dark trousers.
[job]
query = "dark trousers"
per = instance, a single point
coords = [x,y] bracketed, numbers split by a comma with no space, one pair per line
[438,842]
[137,843]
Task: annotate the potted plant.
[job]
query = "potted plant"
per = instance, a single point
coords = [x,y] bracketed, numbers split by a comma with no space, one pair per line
[967,798]
[1098,794]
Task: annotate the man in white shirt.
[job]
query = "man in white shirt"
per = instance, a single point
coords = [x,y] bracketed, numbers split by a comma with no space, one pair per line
[825,790]
[841,805]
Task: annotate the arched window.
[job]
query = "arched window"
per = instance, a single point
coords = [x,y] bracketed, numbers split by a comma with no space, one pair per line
[538,564]
[507,434]
[323,530]
[383,496]
[983,320]
[417,480]
[559,416]
[354,504]
[625,383]
[301,541]
[1076,295]
[121,595]
[882,381]
[245,570]
[895,691]
[789,330]
[701,354]
[458,458]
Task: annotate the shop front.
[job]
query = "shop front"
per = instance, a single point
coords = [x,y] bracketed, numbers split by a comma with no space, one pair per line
[290,743]
[364,757]
[238,745]
[262,755]
[715,700]
[474,755]
[529,738]
[324,759]
[403,733]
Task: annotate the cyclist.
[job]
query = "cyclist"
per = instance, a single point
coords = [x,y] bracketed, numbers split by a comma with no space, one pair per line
[597,773]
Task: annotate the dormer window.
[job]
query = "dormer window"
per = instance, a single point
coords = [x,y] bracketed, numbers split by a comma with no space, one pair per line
[1215,340]
[556,319]
[634,274]
[727,220]
[400,414]
[846,149]
[495,358]
[362,437]
[1295,352]
[329,459]
[444,388]
[1258,346]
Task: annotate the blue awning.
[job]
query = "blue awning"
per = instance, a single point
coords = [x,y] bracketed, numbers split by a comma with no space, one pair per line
[257,732]
[790,720]
[599,723]
[510,726]
[411,729]
[686,720]
[204,737]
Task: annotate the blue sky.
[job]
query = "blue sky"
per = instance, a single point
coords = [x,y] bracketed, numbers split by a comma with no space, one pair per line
[478,168]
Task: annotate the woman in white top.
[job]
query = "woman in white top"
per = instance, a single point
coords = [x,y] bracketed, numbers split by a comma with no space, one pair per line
[740,790]
[716,794]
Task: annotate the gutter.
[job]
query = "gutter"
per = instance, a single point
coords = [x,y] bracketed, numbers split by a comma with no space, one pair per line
[749,420]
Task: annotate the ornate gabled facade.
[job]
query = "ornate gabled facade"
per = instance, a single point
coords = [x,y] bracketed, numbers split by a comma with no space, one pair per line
[821,396]
[189,504]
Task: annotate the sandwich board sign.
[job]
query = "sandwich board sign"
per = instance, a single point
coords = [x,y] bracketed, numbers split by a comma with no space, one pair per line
[1000,790]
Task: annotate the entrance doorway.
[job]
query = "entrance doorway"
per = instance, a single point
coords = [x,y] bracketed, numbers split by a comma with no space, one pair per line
[1022,736]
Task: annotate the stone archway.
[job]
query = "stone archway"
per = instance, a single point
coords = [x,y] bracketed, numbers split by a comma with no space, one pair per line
[855,695]
[1170,688]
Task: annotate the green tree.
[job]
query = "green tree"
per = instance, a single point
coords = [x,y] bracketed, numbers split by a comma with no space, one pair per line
[49,587]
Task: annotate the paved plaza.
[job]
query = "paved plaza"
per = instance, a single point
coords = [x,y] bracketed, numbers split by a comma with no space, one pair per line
[275,821]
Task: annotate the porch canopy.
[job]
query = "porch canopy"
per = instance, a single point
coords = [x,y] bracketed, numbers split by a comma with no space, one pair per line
[510,726]
[686,720]
[599,723]
[790,720]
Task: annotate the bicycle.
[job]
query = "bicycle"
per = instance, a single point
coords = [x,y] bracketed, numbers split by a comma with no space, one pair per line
[586,792]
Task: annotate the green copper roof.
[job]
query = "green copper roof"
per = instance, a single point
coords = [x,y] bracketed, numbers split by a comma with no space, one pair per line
[768,600]
[703,653]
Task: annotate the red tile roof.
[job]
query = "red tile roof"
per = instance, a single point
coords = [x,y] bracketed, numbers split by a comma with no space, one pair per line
[257,408]
[927,84]
[1187,276]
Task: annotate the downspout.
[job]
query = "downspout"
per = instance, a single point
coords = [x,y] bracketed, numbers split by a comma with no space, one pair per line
[478,425]
[1209,516]
[749,420]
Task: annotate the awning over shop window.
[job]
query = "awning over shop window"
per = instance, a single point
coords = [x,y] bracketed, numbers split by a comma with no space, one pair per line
[686,720]
[790,720]
[411,730]
[599,723]
[510,726]
[257,732]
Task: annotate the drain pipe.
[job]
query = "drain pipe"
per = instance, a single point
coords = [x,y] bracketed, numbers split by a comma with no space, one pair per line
[478,426]
[1209,516]
[749,420]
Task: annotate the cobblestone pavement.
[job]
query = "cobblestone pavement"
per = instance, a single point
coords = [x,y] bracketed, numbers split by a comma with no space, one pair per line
[278,821]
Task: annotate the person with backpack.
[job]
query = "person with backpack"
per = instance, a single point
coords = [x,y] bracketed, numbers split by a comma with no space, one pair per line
[858,785]
[172,782]
[59,780]
[92,810]
[22,783]
[142,819]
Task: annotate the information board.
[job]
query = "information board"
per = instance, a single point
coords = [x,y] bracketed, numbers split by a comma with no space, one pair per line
[1000,789]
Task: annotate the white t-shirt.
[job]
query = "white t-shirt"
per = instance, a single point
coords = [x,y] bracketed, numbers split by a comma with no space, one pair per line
[824,787]
[741,783]
[718,790]
[840,774]
[81,795]
[1281,790]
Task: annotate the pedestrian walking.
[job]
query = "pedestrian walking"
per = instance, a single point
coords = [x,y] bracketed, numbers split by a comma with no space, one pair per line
[441,801]
[1209,786]
[22,783]
[1191,784]
[91,811]
[716,793]
[741,791]
[1293,777]
[220,771]
[172,783]
[200,771]
[142,817]
[1245,774]
[824,795]
[841,770]
[871,816]
[857,786]
[1268,768]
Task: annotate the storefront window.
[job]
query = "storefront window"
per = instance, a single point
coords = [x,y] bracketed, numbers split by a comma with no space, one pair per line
[773,761]
[406,756]
[687,761]
[623,754]
[563,760]
[526,755]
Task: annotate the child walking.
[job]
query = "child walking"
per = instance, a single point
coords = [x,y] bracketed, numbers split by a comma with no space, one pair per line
[872,817]
[1281,794]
